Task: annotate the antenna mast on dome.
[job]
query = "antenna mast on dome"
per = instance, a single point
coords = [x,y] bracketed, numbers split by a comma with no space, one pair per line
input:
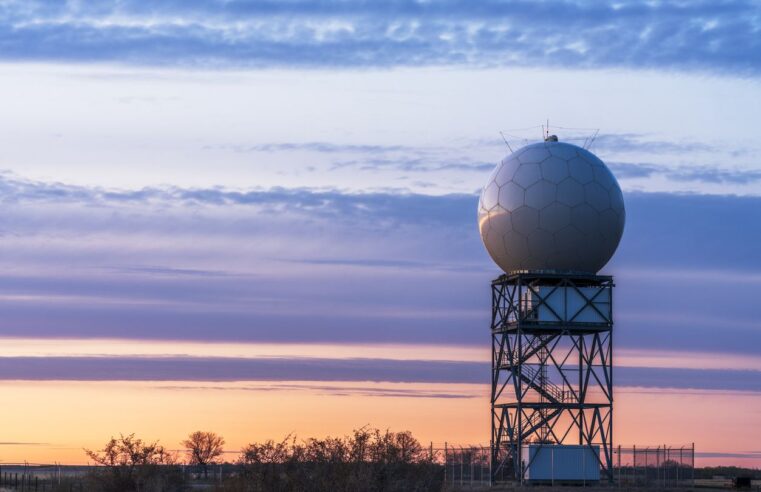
[590,140]
[506,142]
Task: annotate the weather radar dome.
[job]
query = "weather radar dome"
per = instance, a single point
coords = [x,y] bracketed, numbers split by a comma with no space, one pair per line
[551,206]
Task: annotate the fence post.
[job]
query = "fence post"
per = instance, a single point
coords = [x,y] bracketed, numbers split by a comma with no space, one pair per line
[692,468]
[461,465]
[681,462]
[647,477]
[471,467]
[634,464]
[446,457]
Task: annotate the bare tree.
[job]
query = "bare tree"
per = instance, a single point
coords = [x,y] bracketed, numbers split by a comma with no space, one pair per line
[368,460]
[129,463]
[408,449]
[204,448]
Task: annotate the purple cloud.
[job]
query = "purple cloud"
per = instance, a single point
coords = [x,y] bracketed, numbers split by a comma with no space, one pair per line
[312,266]
[221,369]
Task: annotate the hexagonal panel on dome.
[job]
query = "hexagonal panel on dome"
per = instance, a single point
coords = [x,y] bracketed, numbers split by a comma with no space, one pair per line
[554,169]
[527,174]
[525,219]
[500,221]
[570,192]
[511,196]
[484,229]
[490,196]
[589,157]
[568,238]
[554,217]
[561,150]
[616,198]
[585,218]
[597,196]
[604,177]
[515,244]
[535,153]
[541,244]
[609,223]
[497,224]
[541,194]
[581,170]
[506,170]
[596,244]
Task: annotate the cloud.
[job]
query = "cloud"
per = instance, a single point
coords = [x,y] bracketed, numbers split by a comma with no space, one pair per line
[698,173]
[699,379]
[640,143]
[238,369]
[714,454]
[171,272]
[323,147]
[213,369]
[614,146]
[24,444]
[420,164]
[337,390]
[374,157]
[714,175]
[630,170]
[702,35]
[314,265]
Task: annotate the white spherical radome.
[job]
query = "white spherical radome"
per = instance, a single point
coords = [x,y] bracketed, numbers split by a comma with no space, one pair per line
[551,206]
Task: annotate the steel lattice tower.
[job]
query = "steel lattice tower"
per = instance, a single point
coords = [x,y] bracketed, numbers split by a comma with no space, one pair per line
[552,367]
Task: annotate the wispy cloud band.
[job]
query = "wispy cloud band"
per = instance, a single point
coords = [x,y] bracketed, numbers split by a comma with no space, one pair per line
[210,369]
[702,35]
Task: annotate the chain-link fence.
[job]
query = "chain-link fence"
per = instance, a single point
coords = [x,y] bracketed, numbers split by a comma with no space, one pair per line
[665,466]
[42,477]
[643,466]
[463,466]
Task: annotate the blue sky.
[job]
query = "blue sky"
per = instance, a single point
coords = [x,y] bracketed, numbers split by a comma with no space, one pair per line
[308,172]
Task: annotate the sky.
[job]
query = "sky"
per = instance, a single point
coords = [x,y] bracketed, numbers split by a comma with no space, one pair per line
[215,215]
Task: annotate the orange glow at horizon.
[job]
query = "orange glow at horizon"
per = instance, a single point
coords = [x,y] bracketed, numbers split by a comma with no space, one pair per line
[57,420]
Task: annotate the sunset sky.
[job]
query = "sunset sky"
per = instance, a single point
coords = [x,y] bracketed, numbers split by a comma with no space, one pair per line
[259,217]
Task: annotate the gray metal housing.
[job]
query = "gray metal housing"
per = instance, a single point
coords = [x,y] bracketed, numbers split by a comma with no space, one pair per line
[561,463]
